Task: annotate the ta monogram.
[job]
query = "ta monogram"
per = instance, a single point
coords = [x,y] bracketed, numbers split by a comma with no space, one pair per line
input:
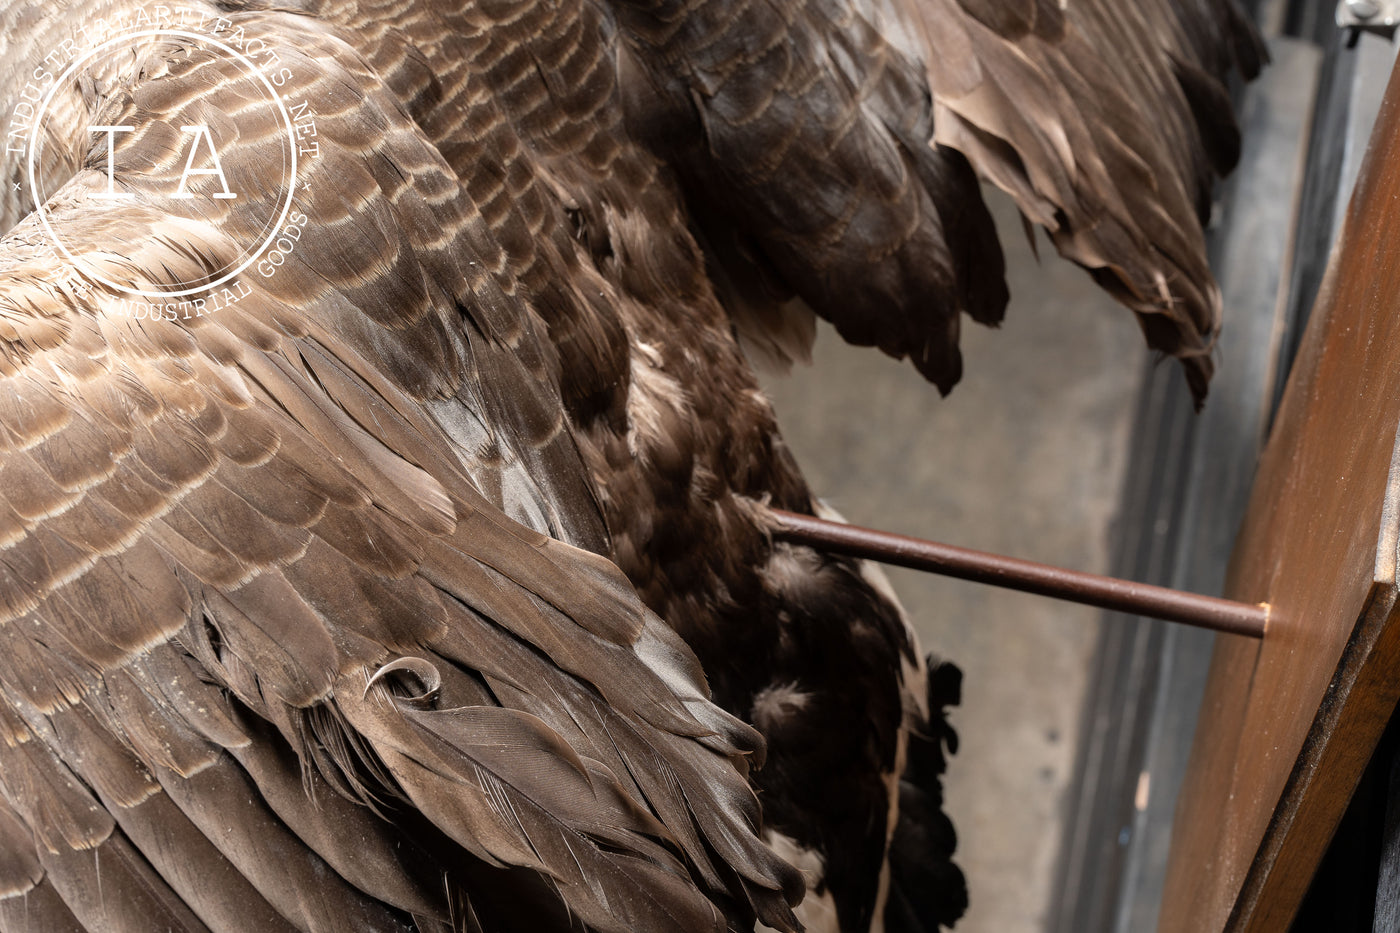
[201,134]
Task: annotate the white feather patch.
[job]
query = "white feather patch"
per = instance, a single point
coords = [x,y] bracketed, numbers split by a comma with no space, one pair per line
[817,911]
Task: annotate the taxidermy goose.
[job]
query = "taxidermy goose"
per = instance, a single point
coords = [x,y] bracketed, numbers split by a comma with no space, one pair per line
[349,598]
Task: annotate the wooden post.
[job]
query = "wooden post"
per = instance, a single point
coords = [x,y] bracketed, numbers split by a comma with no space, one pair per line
[1289,723]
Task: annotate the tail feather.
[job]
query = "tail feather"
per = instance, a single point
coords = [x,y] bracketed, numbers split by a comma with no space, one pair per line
[927,890]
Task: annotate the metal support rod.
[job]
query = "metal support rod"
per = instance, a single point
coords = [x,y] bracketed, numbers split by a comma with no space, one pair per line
[1091,589]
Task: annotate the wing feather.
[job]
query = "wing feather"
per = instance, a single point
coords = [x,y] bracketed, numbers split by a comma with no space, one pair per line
[217,530]
[1108,132]
[831,150]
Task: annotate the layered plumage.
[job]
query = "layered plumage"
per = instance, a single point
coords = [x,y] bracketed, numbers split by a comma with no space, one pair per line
[311,604]
[1106,122]
[275,656]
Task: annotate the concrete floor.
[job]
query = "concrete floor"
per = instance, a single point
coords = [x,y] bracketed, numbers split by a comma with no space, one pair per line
[1026,457]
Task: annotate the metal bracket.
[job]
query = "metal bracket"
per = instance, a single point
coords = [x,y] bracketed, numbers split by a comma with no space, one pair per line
[1381,17]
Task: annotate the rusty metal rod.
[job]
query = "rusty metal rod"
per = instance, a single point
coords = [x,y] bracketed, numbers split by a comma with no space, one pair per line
[1091,589]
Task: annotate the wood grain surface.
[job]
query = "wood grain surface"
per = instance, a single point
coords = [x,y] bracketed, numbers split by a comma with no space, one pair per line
[1288,726]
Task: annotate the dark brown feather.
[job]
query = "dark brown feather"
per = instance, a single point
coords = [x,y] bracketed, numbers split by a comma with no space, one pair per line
[203,583]
[1109,133]
[341,565]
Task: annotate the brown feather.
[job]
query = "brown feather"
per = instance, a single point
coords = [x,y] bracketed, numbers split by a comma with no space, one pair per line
[224,529]
[313,611]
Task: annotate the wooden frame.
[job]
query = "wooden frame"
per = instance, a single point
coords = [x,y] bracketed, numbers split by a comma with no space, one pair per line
[1289,724]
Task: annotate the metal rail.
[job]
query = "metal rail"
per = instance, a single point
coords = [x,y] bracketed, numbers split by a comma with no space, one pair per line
[1091,589]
